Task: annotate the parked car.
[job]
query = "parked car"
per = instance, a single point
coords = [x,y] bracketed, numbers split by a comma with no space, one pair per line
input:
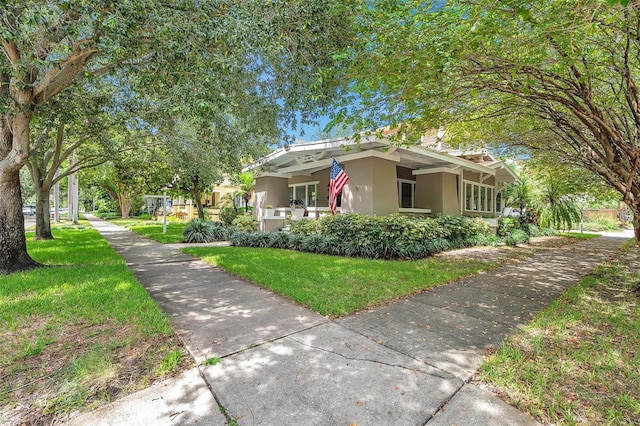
[29,210]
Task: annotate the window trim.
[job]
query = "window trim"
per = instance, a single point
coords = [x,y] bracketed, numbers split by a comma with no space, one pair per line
[306,195]
[476,194]
[399,183]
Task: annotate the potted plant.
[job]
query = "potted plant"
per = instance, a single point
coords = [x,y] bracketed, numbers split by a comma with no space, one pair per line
[297,209]
[269,210]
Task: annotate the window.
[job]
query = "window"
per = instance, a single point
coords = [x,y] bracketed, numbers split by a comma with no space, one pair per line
[499,207]
[478,198]
[306,192]
[406,193]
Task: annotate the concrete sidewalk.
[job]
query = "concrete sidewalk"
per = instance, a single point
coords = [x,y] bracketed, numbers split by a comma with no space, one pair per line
[407,362]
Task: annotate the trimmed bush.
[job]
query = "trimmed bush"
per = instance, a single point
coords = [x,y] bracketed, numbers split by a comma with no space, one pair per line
[304,226]
[246,223]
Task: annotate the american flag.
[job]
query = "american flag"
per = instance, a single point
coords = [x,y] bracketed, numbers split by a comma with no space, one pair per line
[337,180]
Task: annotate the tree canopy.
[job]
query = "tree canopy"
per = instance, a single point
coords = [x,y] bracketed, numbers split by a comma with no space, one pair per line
[553,76]
[212,60]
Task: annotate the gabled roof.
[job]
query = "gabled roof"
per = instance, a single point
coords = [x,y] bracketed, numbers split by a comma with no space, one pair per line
[307,158]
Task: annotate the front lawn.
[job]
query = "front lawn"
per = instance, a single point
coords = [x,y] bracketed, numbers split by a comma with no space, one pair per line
[335,286]
[79,334]
[578,362]
[152,229]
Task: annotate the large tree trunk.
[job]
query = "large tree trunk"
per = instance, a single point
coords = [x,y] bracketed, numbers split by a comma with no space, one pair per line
[635,208]
[43,220]
[197,197]
[14,146]
[13,244]
[41,188]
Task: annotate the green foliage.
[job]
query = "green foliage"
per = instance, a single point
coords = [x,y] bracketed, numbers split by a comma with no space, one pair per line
[170,362]
[206,231]
[198,231]
[506,225]
[556,207]
[246,223]
[374,237]
[305,227]
[227,215]
[108,215]
[515,237]
[601,223]
[549,80]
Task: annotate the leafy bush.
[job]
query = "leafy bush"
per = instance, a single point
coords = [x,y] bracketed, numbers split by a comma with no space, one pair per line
[108,215]
[205,231]
[181,215]
[378,237]
[506,225]
[601,223]
[146,216]
[304,226]
[198,231]
[246,223]
[227,215]
[517,236]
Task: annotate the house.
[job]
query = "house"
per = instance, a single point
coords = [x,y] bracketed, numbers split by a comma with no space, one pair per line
[185,208]
[384,179]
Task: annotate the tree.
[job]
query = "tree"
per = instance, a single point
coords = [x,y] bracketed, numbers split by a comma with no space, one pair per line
[247,183]
[131,173]
[203,59]
[68,141]
[550,76]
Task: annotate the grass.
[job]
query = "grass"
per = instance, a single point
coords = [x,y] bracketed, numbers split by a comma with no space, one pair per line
[335,286]
[578,362]
[79,334]
[578,235]
[152,229]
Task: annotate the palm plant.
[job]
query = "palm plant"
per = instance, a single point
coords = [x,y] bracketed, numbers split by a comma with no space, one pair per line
[557,208]
[521,195]
[247,184]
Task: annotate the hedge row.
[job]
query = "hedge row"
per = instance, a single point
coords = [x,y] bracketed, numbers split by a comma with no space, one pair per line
[373,249]
[377,237]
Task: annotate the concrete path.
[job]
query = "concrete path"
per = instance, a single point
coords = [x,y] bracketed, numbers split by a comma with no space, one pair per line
[407,362]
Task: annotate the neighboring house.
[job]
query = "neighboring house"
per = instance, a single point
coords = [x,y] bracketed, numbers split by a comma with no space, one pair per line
[210,201]
[383,178]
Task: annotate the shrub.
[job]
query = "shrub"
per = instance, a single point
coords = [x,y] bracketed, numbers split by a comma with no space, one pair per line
[108,215]
[181,215]
[227,215]
[246,223]
[506,225]
[146,216]
[601,223]
[516,236]
[198,231]
[304,227]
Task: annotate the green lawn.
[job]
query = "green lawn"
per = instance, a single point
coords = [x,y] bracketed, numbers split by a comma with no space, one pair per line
[578,362]
[152,229]
[332,285]
[78,334]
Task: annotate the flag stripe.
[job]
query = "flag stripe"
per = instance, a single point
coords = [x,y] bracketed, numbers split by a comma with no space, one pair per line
[337,180]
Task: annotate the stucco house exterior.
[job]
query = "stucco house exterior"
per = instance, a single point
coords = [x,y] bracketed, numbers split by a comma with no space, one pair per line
[384,178]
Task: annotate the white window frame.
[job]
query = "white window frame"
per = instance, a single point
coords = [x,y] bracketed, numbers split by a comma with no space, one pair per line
[413,192]
[476,194]
[306,190]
